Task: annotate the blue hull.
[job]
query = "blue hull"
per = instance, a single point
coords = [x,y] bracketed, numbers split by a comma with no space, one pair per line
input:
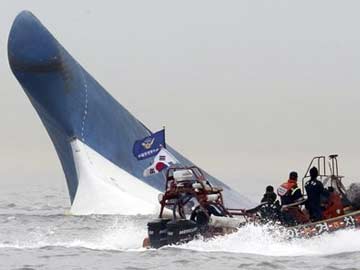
[71,103]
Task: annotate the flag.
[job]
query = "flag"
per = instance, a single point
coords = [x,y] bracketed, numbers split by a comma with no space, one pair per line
[150,145]
[162,160]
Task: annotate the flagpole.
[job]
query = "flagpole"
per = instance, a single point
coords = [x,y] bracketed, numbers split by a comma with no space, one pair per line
[164,137]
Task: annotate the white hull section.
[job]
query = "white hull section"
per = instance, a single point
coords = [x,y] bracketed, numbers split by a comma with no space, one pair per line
[104,188]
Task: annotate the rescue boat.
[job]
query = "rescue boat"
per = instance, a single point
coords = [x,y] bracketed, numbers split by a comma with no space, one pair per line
[191,207]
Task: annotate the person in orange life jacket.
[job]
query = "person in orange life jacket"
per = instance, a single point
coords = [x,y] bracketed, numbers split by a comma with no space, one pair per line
[314,190]
[289,191]
[334,205]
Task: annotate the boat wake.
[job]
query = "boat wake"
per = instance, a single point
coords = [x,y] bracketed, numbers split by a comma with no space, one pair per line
[126,233]
[258,240]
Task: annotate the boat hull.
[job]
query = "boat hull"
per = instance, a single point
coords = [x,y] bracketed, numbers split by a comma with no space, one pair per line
[73,105]
[160,238]
[348,221]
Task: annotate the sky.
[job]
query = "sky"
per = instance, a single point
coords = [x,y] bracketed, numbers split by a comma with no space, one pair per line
[248,90]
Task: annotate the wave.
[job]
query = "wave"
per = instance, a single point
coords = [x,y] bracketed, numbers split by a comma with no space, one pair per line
[259,240]
[122,233]
[126,233]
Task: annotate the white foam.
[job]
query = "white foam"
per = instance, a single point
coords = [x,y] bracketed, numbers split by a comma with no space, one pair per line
[128,233]
[258,240]
[104,188]
[124,234]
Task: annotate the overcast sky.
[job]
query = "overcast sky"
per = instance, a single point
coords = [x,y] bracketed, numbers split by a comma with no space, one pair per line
[248,90]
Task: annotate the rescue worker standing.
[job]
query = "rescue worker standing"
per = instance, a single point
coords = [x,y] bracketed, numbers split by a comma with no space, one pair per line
[314,190]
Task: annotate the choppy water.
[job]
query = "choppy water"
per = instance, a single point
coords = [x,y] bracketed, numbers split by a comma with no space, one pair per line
[36,234]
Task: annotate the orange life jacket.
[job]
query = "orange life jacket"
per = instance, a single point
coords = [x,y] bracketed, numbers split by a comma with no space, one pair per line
[334,207]
[288,187]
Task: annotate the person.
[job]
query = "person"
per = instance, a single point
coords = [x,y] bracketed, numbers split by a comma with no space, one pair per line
[314,190]
[269,207]
[269,196]
[334,206]
[290,193]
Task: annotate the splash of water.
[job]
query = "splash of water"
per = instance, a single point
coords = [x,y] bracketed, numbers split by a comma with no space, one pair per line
[126,233]
[260,240]
[122,233]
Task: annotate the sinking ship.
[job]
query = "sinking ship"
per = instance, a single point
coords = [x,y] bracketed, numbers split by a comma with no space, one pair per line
[92,133]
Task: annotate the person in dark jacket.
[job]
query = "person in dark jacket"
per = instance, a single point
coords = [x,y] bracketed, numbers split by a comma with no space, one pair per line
[269,196]
[314,190]
[270,207]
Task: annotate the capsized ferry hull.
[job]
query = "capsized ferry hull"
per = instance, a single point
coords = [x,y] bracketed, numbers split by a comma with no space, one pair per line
[92,133]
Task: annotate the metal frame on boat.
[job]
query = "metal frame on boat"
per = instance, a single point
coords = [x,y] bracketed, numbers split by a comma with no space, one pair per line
[191,207]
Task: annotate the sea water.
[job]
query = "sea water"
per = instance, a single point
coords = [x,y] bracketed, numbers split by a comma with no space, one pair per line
[37,233]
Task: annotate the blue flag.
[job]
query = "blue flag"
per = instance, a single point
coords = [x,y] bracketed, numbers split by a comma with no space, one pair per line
[149,146]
